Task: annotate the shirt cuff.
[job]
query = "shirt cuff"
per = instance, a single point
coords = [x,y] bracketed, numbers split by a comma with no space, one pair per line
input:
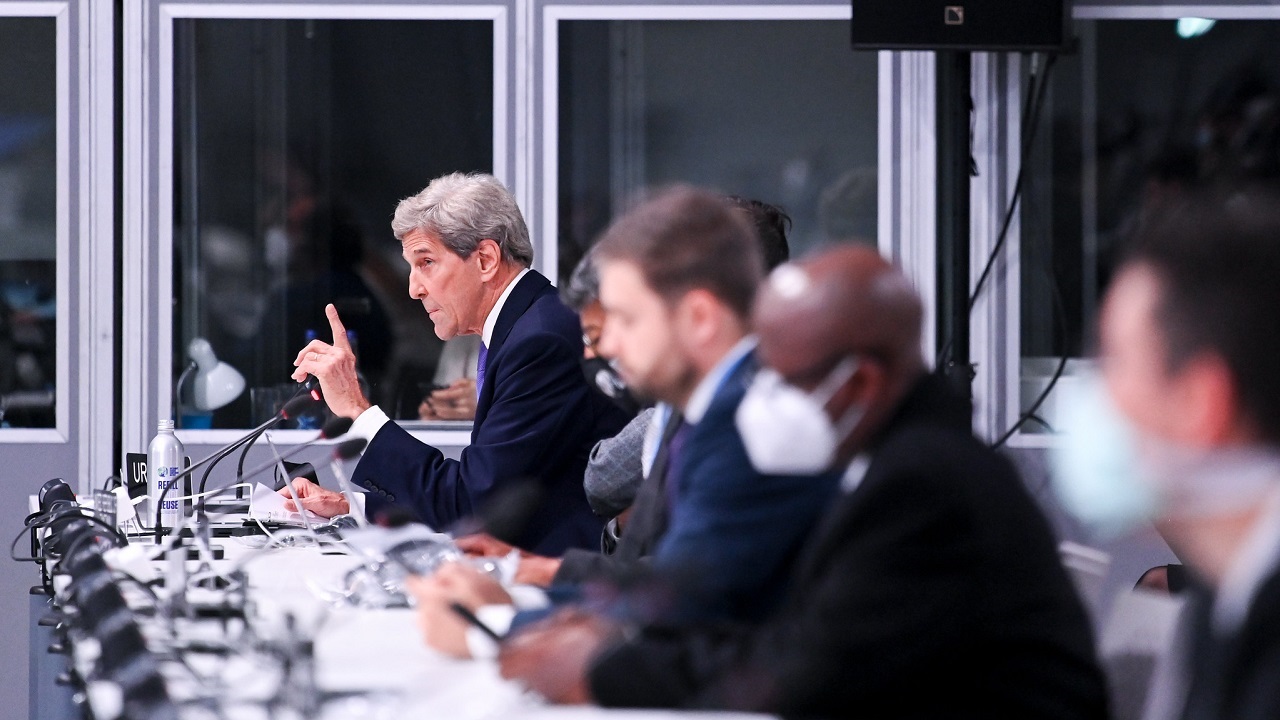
[355,503]
[368,424]
[498,618]
[527,597]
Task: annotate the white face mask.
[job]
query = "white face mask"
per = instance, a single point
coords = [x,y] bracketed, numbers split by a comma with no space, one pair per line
[786,431]
[1112,476]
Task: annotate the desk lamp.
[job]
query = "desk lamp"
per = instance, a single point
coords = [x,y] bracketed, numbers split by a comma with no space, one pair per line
[215,383]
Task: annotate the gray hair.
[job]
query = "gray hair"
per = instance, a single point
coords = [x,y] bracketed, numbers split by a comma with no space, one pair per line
[463,209]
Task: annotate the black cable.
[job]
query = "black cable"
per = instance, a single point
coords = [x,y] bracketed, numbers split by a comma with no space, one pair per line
[245,452]
[86,537]
[1031,107]
[1030,125]
[1036,418]
[1061,311]
[82,512]
[13,549]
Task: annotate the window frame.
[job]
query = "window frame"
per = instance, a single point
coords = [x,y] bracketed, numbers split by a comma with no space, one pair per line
[60,12]
[148,246]
[996,331]
[906,163]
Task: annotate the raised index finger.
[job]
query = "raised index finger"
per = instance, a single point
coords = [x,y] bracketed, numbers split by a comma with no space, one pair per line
[339,331]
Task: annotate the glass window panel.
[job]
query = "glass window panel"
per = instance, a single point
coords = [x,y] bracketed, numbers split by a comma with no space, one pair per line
[1138,113]
[294,141]
[28,221]
[780,111]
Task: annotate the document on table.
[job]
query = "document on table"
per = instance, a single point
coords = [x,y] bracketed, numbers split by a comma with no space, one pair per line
[266,504]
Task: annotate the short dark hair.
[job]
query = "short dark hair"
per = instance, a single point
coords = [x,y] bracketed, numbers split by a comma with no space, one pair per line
[685,239]
[1216,254]
[772,226]
[583,287]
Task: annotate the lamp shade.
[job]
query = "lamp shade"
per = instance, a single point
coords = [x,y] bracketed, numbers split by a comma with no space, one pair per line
[216,383]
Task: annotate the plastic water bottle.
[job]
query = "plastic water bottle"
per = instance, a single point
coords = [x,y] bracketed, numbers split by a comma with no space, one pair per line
[164,462]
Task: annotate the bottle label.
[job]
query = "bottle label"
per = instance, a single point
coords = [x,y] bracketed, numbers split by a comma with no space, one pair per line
[171,502]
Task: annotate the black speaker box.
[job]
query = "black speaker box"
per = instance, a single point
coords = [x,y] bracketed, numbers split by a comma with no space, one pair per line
[958,24]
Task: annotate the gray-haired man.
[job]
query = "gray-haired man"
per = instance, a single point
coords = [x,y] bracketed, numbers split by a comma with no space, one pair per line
[536,419]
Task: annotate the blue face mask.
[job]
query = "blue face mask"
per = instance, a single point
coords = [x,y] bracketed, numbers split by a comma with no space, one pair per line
[1113,477]
[1096,472]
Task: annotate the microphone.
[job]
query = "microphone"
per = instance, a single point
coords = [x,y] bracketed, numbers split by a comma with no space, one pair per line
[55,491]
[312,386]
[65,522]
[345,451]
[348,449]
[292,493]
[291,409]
[506,512]
[336,427]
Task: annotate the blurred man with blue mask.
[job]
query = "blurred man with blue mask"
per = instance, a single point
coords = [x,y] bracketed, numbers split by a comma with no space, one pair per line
[1189,339]
[931,588]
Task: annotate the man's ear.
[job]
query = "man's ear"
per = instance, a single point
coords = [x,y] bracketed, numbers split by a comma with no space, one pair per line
[863,388]
[488,256]
[1210,413]
[696,317]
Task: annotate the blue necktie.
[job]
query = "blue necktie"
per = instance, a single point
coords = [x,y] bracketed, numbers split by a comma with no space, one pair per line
[481,361]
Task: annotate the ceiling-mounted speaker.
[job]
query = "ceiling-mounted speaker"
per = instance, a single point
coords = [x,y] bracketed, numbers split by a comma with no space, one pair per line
[957,25]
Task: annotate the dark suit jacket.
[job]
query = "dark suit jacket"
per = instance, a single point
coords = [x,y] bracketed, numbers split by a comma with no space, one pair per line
[726,549]
[1237,677]
[536,420]
[933,590]
[645,526]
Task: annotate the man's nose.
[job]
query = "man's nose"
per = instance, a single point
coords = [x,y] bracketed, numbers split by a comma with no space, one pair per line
[606,346]
[417,290]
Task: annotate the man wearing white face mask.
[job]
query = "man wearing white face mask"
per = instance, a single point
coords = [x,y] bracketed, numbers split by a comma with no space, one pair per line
[1190,335]
[677,279]
[932,587]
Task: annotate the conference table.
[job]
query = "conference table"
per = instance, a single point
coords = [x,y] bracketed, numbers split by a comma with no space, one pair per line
[299,645]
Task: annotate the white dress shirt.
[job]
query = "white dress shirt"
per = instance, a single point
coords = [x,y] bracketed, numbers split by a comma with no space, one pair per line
[372,420]
[700,398]
[1257,558]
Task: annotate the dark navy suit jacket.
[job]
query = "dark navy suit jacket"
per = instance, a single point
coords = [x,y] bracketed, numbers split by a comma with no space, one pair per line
[536,420]
[725,549]
[734,532]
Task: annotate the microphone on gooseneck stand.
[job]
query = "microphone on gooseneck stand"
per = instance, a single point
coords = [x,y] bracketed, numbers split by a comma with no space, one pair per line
[335,428]
[55,492]
[302,513]
[291,409]
[346,451]
[312,387]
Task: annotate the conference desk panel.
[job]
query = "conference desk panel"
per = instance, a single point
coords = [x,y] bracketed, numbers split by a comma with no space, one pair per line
[364,662]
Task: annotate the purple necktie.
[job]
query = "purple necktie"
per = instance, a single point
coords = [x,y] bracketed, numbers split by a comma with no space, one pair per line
[480,363]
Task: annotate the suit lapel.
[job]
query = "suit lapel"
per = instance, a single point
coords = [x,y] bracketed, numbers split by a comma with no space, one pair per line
[649,517]
[526,291]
